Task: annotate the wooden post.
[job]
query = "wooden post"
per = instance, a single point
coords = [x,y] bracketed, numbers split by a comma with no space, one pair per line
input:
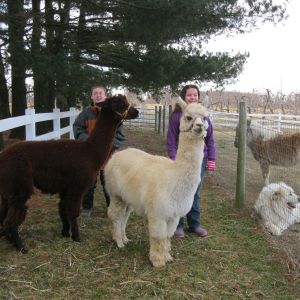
[30,128]
[159,120]
[164,120]
[1,141]
[156,122]
[170,111]
[241,163]
[71,122]
[279,122]
[56,123]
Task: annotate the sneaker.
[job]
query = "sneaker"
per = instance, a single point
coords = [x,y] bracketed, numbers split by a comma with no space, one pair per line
[201,232]
[86,213]
[179,233]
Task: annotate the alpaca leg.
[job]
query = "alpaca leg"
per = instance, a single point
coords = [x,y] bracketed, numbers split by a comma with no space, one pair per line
[275,230]
[297,213]
[73,215]
[71,203]
[124,224]
[159,244]
[64,219]
[171,227]
[3,210]
[3,213]
[265,172]
[117,214]
[16,214]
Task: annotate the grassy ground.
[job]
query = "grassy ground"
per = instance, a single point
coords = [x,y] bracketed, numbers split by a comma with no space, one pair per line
[236,260]
[289,241]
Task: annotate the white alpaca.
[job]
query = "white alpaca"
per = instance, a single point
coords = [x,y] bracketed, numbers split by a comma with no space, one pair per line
[278,206]
[156,186]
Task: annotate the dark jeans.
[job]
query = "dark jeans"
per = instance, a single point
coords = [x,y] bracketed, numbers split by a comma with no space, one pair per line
[106,196]
[193,216]
[88,199]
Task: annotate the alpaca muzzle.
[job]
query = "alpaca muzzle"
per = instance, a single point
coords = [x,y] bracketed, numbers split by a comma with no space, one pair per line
[129,113]
[291,205]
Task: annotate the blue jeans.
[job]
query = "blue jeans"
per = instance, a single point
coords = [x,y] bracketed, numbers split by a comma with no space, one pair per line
[193,216]
[88,198]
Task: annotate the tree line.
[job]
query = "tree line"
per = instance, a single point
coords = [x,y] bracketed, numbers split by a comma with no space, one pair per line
[56,50]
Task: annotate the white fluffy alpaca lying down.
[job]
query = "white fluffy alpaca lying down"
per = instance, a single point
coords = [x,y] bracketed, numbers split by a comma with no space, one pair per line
[278,206]
[156,186]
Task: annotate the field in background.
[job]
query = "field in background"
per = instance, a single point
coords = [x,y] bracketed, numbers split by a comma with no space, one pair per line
[236,260]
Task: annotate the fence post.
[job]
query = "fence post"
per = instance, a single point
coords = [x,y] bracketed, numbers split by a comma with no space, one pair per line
[1,141]
[155,113]
[30,128]
[241,163]
[56,123]
[279,122]
[71,122]
[164,120]
[170,111]
[159,120]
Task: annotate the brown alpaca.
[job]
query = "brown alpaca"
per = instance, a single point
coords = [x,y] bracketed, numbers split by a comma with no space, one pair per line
[281,150]
[66,167]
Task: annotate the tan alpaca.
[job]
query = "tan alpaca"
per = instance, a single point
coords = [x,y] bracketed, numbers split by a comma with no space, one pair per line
[280,150]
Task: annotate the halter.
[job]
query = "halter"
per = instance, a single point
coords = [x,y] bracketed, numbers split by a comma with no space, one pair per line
[124,114]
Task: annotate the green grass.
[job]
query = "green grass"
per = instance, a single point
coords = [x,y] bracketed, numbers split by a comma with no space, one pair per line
[235,261]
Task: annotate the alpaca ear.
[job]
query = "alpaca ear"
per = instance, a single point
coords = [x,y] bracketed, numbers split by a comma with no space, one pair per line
[181,103]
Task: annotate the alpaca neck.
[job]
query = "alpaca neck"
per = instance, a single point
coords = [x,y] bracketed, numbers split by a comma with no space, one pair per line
[101,139]
[190,150]
[188,168]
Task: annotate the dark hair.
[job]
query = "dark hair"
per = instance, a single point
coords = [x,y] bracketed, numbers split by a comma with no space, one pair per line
[189,86]
[183,93]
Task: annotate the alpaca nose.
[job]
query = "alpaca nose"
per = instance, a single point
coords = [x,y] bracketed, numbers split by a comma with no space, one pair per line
[199,125]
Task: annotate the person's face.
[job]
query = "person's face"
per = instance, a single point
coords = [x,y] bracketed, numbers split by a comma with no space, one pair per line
[191,96]
[98,95]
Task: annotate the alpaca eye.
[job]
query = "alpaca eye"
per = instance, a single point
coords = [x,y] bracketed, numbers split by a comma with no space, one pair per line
[189,118]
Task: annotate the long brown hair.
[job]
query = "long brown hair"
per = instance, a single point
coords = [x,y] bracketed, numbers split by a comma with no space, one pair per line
[183,93]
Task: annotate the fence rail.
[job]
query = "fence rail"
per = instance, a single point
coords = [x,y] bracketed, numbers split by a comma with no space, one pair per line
[156,118]
[278,122]
[30,119]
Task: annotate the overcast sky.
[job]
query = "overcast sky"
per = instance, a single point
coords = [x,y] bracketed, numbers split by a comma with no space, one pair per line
[274,61]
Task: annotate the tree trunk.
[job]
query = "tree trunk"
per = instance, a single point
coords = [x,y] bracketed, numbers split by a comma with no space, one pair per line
[38,63]
[4,102]
[4,99]
[59,53]
[16,26]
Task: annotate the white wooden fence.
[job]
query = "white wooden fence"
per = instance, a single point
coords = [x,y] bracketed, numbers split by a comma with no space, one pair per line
[31,118]
[148,118]
[276,122]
